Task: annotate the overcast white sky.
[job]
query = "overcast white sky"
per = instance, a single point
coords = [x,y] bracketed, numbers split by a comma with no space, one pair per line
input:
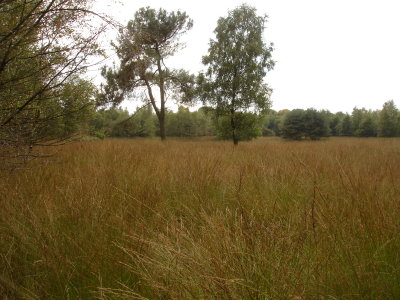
[330,54]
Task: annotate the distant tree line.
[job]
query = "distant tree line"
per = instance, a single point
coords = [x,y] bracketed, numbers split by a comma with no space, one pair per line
[117,122]
[299,124]
[294,124]
[78,116]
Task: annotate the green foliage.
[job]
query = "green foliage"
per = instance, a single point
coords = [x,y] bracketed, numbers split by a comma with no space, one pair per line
[315,124]
[105,119]
[43,43]
[77,101]
[116,122]
[180,123]
[141,123]
[293,125]
[145,122]
[345,126]
[204,123]
[357,118]
[334,123]
[184,123]
[142,48]
[388,120]
[237,62]
[44,46]
[308,123]
[364,122]
[272,120]
[367,127]
[98,134]
[248,127]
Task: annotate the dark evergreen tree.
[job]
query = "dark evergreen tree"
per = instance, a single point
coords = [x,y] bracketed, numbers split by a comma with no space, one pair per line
[315,124]
[293,126]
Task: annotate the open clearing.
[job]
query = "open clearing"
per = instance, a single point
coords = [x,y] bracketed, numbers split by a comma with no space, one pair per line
[141,219]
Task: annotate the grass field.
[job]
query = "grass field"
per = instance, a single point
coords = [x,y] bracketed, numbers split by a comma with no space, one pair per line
[141,219]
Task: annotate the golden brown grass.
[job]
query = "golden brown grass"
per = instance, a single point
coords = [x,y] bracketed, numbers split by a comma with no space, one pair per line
[140,219]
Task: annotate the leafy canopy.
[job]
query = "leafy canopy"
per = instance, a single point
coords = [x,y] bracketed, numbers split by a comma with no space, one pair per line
[308,123]
[142,48]
[45,45]
[238,61]
[388,120]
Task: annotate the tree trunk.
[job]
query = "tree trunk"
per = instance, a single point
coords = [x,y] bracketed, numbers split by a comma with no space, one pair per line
[161,85]
[159,112]
[232,110]
[161,121]
[233,126]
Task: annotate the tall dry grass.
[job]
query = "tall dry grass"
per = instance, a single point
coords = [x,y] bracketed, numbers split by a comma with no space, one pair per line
[140,219]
